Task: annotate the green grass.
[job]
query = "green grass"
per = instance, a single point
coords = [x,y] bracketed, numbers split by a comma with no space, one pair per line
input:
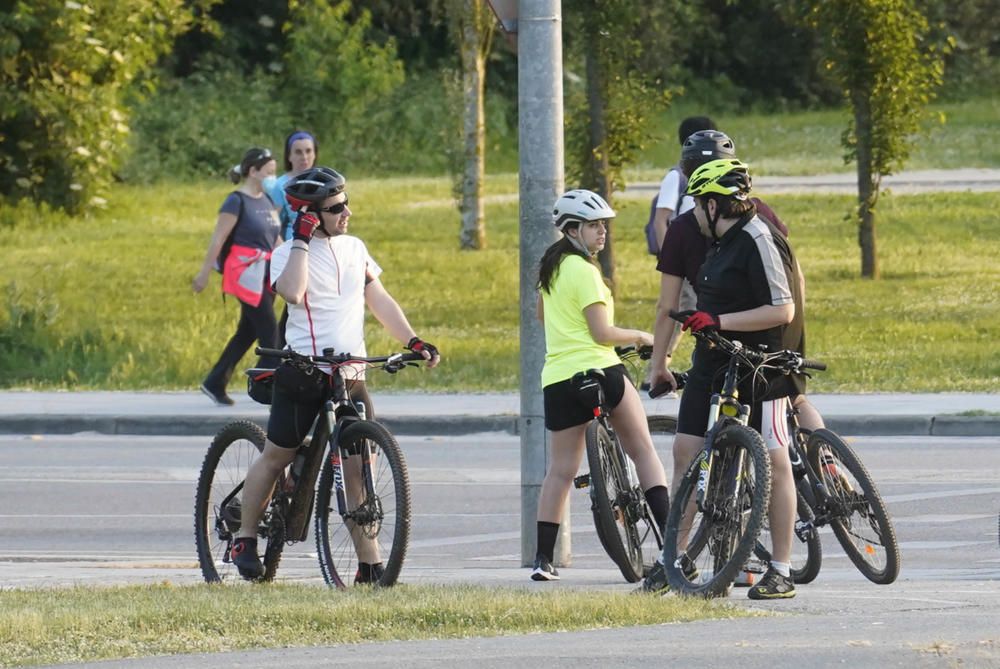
[106,302]
[800,143]
[88,624]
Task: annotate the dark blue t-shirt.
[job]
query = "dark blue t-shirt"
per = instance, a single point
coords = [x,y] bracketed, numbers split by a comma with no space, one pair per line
[258,227]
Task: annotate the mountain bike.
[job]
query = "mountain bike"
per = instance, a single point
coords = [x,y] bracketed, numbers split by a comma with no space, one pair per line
[844,496]
[622,518]
[362,502]
[722,500]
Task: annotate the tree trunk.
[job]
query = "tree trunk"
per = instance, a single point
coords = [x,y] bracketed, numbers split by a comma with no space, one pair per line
[473,234]
[868,186]
[599,171]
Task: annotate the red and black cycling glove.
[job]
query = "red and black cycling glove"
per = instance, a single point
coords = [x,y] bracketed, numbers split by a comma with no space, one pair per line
[418,345]
[304,227]
[700,321]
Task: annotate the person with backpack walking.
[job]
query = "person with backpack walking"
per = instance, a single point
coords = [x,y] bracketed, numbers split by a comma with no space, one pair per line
[246,231]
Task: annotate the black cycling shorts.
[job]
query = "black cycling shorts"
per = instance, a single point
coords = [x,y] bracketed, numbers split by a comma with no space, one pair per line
[707,376]
[563,409]
[291,419]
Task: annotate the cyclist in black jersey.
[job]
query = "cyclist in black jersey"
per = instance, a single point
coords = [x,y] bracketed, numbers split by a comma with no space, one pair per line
[747,288]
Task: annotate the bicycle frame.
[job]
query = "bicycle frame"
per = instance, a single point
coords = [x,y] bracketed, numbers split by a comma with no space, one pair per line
[807,479]
[338,412]
[724,404]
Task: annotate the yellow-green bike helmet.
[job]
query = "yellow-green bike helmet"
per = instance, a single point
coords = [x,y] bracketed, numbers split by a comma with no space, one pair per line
[721,177]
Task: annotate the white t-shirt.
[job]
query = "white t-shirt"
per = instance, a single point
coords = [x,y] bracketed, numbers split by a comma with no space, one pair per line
[669,188]
[332,315]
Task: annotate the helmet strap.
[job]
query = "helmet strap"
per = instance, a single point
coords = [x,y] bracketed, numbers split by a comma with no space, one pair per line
[713,221]
[578,244]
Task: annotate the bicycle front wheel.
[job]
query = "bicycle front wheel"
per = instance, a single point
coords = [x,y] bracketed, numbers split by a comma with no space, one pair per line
[374,527]
[611,496]
[704,548]
[857,513]
[217,510]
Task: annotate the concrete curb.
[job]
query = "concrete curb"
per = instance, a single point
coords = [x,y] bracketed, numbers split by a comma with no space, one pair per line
[201,425]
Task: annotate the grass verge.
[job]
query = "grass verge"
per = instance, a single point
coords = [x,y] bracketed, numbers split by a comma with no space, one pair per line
[86,624]
[106,303]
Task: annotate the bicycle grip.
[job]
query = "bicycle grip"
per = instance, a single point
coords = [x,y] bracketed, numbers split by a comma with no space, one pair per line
[677,316]
[813,364]
[275,352]
[660,389]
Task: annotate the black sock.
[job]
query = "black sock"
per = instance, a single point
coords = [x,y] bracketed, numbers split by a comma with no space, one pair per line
[547,533]
[658,498]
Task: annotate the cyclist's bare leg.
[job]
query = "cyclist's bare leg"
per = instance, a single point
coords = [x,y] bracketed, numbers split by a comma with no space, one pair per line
[259,485]
[629,421]
[809,417]
[782,509]
[365,546]
[566,449]
[685,450]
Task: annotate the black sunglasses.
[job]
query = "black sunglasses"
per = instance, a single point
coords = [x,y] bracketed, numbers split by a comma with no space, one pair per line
[336,208]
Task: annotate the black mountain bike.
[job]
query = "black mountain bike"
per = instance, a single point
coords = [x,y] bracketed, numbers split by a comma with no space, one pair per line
[834,488]
[722,501]
[622,518]
[362,501]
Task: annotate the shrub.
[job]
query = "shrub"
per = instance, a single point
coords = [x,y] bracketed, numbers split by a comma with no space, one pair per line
[64,67]
[202,125]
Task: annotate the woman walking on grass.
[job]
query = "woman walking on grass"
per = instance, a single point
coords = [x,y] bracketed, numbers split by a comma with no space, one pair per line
[577,310]
[246,232]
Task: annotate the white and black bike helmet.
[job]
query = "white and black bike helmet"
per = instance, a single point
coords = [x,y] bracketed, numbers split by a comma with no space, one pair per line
[580,206]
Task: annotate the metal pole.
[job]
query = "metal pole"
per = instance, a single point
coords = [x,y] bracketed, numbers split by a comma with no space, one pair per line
[540,142]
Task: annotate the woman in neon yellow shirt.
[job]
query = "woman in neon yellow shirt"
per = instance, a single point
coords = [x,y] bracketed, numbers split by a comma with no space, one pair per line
[577,310]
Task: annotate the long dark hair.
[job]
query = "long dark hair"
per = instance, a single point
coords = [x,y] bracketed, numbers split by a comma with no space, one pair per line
[294,136]
[549,264]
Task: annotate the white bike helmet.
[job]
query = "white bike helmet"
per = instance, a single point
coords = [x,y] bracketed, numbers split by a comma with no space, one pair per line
[579,206]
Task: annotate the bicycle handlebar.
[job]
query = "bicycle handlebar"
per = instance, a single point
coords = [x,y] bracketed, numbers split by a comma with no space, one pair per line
[390,362]
[644,352]
[786,360]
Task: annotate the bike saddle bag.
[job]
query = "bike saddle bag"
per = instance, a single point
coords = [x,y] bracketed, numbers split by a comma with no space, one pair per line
[260,384]
[301,380]
[589,387]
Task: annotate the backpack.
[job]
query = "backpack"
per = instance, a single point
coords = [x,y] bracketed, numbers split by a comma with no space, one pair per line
[220,262]
[650,229]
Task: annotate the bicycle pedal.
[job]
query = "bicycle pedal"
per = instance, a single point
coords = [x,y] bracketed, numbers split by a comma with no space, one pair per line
[582,481]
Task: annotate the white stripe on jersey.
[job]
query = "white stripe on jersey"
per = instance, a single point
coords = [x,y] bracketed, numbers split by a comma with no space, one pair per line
[774,268]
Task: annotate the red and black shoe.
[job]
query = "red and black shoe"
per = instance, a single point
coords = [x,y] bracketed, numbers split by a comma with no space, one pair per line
[244,556]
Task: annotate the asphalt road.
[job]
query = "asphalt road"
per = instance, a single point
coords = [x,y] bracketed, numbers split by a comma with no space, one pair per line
[100,509]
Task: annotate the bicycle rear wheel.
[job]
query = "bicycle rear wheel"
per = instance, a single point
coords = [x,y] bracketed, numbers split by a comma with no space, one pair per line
[217,511]
[705,548]
[662,424]
[379,525]
[807,550]
[857,514]
[614,502]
